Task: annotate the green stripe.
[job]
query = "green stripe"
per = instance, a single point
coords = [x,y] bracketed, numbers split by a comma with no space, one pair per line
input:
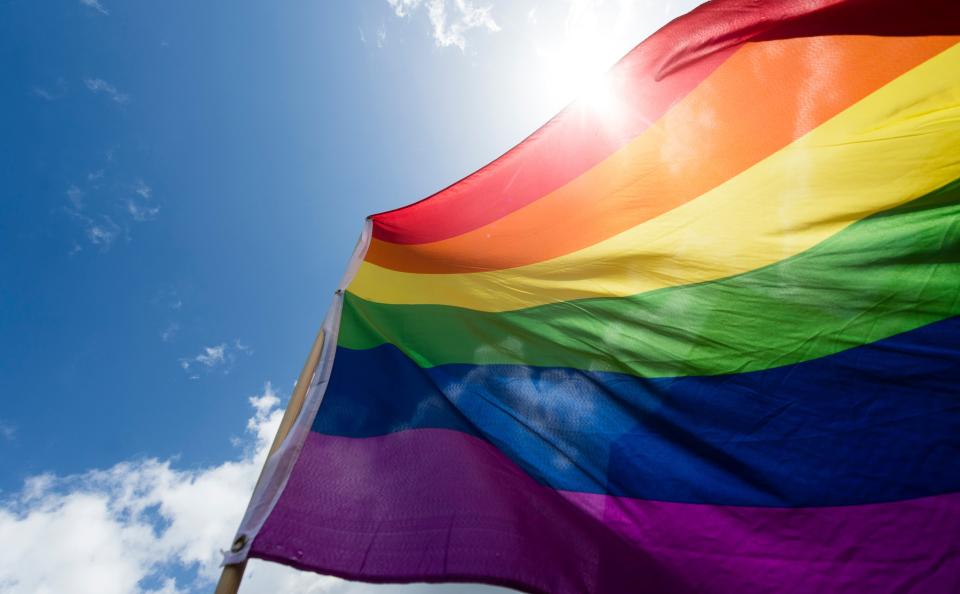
[886,274]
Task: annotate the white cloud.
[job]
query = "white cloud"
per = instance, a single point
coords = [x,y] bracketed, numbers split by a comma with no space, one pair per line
[98,85]
[101,229]
[51,93]
[102,233]
[129,528]
[451,20]
[101,236]
[221,356]
[170,332]
[45,94]
[140,209]
[75,196]
[404,7]
[143,190]
[95,4]
[381,35]
[169,297]
[141,212]
[8,431]
[212,356]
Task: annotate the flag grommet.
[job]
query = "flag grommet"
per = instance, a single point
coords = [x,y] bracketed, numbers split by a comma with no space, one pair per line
[239,543]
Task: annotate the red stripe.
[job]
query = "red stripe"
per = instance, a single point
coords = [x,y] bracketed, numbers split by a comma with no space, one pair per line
[658,72]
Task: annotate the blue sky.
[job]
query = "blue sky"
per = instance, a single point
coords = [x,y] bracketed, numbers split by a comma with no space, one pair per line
[182,183]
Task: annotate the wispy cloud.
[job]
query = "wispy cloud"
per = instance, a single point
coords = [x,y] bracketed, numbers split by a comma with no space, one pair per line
[98,85]
[51,94]
[212,358]
[109,220]
[100,230]
[451,20]
[141,212]
[143,190]
[103,233]
[43,93]
[140,209]
[381,35]
[95,4]
[75,196]
[170,332]
[8,431]
[404,7]
[169,298]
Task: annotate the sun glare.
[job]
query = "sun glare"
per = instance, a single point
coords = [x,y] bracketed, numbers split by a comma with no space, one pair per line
[576,72]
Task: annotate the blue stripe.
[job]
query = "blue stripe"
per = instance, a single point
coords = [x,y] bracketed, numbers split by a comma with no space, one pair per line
[876,423]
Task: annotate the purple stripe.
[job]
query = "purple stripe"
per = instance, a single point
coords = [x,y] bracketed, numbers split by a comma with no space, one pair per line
[438,505]
[905,546]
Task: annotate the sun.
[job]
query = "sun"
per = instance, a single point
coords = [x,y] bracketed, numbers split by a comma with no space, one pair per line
[577,72]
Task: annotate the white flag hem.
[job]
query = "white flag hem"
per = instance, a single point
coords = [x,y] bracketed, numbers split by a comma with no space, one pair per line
[276,470]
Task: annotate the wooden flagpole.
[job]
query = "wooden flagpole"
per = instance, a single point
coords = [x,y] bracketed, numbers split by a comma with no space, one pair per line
[232,575]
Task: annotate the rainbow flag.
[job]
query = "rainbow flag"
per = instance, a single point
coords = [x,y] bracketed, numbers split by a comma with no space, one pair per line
[699,336]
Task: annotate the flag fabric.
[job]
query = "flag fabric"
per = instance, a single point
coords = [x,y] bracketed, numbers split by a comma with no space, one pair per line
[698,335]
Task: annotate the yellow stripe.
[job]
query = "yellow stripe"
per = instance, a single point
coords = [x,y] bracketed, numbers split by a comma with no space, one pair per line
[895,145]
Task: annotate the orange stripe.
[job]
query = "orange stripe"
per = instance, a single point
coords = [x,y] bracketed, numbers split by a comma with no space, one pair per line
[761,99]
